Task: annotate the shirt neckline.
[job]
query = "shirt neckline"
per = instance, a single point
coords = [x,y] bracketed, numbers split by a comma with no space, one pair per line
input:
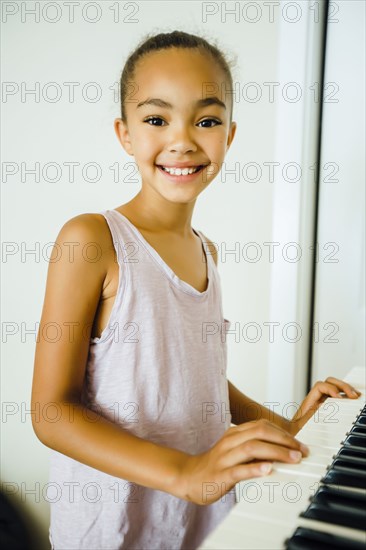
[186,287]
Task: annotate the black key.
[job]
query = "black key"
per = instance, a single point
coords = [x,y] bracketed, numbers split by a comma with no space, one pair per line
[355,468]
[356,441]
[344,477]
[308,539]
[358,430]
[337,507]
[351,456]
[359,423]
[361,420]
[358,451]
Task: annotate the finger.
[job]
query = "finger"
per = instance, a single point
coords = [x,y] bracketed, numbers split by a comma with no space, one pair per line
[317,395]
[349,390]
[259,450]
[325,388]
[264,431]
[233,475]
[253,423]
[257,424]
[249,425]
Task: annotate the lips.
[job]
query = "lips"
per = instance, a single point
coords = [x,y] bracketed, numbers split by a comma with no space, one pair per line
[182,165]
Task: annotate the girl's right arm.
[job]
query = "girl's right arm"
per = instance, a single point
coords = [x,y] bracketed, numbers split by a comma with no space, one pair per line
[73,289]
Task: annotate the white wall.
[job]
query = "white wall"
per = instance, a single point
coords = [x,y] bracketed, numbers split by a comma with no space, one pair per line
[229,212]
[340,277]
[300,67]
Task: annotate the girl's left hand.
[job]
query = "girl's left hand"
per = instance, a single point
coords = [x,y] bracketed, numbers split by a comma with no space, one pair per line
[317,395]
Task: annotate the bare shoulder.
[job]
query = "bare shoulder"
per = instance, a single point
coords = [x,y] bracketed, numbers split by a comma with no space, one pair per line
[89,228]
[88,237]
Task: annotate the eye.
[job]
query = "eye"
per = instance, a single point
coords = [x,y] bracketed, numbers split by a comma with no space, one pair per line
[217,122]
[150,119]
[153,118]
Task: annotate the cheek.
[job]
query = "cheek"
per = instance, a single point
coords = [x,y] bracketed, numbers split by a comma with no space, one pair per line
[216,143]
[219,150]
[147,147]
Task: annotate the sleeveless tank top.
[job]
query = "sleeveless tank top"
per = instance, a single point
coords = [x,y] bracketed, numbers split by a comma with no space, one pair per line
[158,370]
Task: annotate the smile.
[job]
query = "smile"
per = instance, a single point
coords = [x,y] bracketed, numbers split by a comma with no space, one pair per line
[181,171]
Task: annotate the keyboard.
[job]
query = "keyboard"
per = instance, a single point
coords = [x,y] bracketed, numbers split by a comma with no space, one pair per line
[318,504]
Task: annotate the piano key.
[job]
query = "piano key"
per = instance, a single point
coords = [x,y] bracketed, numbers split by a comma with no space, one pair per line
[325,440]
[234,534]
[358,430]
[351,456]
[358,451]
[319,451]
[304,467]
[357,466]
[347,405]
[308,539]
[356,442]
[344,477]
[336,506]
[323,425]
[362,420]
[319,459]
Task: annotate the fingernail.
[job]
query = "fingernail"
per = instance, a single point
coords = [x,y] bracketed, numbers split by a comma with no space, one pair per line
[265,468]
[354,392]
[295,455]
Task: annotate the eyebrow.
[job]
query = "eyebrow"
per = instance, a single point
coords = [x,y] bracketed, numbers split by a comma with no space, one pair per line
[166,105]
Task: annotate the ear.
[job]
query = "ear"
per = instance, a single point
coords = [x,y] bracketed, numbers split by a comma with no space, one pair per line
[123,135]
[231,135]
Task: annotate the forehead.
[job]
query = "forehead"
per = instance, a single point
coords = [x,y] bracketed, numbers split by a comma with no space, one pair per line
[179,74]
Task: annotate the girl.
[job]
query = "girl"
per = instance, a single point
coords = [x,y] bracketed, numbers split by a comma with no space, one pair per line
[143,455]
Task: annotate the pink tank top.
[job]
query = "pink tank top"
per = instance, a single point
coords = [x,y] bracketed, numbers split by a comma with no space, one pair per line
[159,370]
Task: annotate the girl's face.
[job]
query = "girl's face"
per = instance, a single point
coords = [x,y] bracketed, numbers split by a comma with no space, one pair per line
[172,125]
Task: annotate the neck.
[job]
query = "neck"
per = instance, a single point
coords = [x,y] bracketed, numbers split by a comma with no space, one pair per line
[158,215]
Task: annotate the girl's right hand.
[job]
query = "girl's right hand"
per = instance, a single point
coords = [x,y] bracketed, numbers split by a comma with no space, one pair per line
[243,452]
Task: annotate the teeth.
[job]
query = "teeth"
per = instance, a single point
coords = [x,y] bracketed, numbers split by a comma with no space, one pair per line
[181,171]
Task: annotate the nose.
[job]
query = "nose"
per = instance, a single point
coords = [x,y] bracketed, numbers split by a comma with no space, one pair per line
[181,140]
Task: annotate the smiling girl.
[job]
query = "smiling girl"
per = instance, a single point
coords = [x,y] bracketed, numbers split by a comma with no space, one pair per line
[143,455]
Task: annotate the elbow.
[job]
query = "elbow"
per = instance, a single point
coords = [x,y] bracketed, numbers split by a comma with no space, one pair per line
[48,420]
[40,425]
[39,431]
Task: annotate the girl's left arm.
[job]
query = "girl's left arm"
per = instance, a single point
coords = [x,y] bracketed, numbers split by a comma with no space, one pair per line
[243,409]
